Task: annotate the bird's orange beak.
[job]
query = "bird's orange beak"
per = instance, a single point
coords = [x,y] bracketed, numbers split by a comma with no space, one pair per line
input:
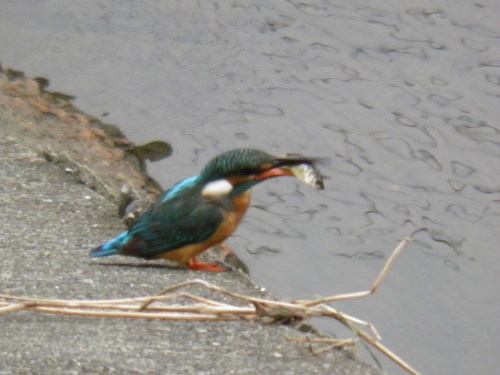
[273,172]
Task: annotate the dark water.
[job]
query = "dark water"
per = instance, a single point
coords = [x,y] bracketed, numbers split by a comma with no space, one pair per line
[403,97]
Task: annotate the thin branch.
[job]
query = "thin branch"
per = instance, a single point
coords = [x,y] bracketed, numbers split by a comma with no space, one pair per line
[383,273]
[10,308]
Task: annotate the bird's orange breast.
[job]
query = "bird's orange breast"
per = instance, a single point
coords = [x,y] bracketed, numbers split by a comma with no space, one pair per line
[231,221]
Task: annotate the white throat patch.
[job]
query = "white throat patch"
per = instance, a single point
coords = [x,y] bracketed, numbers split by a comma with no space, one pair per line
[217,188]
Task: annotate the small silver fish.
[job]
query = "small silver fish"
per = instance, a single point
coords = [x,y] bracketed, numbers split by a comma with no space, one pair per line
[309,174]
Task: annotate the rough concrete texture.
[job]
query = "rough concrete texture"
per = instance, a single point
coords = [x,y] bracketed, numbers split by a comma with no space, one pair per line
[49,221]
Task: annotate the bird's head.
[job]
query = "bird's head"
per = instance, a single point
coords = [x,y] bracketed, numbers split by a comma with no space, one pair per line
[236,171]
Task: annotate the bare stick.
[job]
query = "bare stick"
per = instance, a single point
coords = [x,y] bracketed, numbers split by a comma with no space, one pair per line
[9,308]
[329,344]
[383,349]
[377,282]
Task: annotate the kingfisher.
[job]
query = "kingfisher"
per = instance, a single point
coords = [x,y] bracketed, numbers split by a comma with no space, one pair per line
[202,211]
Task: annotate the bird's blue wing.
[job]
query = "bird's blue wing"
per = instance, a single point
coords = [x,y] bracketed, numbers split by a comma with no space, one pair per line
[179,218]
[185,185]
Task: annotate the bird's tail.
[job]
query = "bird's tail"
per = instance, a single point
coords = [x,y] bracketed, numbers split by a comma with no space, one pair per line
[112,247]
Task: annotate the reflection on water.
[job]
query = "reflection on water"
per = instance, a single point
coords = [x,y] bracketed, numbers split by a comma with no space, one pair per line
[402,98]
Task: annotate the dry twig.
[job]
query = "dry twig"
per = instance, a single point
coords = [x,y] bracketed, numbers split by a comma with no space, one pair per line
[163,307]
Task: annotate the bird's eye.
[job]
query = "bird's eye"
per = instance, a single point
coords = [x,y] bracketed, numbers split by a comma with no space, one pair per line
[247,171]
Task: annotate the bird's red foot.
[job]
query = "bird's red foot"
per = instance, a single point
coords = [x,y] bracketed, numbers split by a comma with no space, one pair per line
[197,265]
